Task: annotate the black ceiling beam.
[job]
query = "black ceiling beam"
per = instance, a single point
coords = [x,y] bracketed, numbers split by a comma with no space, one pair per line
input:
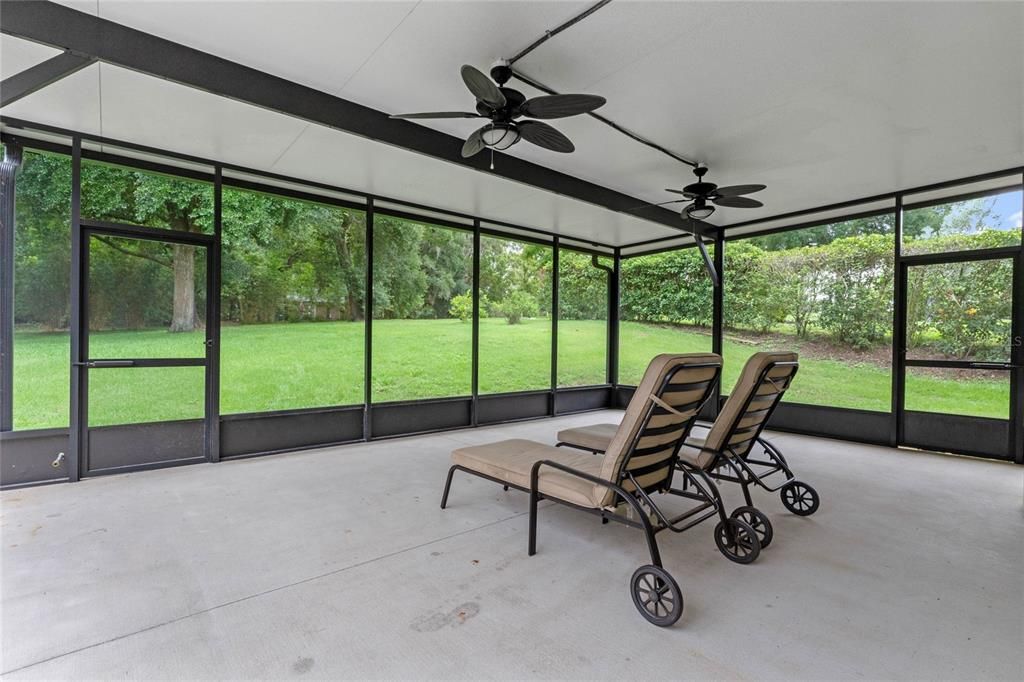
[110,42]
[24,83]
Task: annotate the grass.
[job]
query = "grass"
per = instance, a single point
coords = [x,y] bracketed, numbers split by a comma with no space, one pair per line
[290,366]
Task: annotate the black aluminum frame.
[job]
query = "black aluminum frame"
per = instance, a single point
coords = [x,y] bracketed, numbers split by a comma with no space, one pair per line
[792,417]
[82,362]
[1013,367]
[861,425]
[639,500]
[379,419]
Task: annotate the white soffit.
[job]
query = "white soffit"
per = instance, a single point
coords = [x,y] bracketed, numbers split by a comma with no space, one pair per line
[73,103]
[321,44]
[17,54]
[682,242]
[818,218]
[1003,182]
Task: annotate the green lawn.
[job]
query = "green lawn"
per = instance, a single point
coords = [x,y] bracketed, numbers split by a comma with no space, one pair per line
[289,366]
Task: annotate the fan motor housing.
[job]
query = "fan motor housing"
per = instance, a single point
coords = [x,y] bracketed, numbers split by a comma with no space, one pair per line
[501,72]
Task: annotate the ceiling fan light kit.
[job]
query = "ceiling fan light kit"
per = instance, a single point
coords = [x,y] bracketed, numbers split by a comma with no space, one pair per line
[500,136]
[698,210]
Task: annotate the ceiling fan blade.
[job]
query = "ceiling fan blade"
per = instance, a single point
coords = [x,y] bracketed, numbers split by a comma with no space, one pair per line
[482,87]
[736,202]
[543,135]
[736,190]
[674,201]
[474,143]
[688,195]
[560,106]
[438,114]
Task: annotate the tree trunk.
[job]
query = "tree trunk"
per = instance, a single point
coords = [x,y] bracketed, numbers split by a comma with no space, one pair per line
[184,317]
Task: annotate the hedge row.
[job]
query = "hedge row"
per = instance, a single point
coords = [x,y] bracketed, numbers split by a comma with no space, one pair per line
[843,289]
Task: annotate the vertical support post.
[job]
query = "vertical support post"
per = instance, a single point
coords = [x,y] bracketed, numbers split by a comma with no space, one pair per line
[213,286]
[613,325]
[79,319]
[1017,351]
[475,351]
[8,181]
[718,313]
[368,325]
[899,327]
[554,327]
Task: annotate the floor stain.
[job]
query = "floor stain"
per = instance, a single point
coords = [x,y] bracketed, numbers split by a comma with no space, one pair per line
[454,618]
[303,665]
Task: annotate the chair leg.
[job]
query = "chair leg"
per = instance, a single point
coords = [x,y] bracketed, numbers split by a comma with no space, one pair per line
[746,494]
[533,521]
[447,487]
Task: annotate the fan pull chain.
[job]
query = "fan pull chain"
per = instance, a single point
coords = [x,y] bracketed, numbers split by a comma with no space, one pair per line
[492,158]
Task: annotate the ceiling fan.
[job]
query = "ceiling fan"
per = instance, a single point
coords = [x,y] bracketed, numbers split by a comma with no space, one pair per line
[504,106]
[704,196]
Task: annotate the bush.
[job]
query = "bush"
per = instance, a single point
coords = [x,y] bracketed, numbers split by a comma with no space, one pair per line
[749,299]
[461,306]
[668,287]
[518,305]
[856,305]
[583,289]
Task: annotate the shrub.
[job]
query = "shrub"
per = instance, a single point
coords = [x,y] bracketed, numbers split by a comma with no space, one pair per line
[856,305]
[518,305]
[462,306]
[583,289]
[666,287]
[748,284]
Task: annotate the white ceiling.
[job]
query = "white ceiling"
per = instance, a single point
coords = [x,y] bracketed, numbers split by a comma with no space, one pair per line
[823,102]
[17,55]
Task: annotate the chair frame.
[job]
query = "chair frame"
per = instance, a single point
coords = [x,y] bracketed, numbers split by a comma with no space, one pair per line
[742,472]
[708,496]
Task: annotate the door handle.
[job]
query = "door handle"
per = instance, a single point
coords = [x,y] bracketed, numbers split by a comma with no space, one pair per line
[105,363]
[993,365]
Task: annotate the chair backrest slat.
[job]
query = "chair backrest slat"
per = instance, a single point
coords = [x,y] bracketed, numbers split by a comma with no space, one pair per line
[658,419]
[764,379]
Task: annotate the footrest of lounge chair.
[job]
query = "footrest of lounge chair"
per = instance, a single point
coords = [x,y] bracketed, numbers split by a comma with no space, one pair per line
[511,461]
[592,437]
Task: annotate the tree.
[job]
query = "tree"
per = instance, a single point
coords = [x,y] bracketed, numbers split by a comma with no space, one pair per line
[140,198]
[42,245]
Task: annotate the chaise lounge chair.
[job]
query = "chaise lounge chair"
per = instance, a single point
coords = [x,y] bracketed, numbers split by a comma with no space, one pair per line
[617,486]
[725,452]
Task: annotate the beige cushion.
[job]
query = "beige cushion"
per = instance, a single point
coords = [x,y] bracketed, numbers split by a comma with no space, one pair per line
[512,460]
[693,453]
[745,385]
[593,437]
[632,421]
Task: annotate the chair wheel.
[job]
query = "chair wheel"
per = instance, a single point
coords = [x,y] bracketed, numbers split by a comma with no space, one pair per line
[743,547]
[753,517]
[799,498]
[656,595]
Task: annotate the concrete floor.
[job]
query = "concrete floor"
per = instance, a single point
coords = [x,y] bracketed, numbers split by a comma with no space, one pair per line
[339,563]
